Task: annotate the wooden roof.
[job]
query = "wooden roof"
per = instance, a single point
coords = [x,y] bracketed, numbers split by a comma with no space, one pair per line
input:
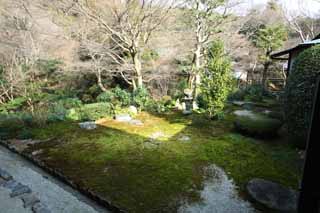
[277,55]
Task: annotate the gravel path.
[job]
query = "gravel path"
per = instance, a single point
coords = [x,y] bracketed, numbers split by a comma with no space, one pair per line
[57,197]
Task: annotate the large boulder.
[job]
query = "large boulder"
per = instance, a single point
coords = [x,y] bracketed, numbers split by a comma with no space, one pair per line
[257,125]
[272,195]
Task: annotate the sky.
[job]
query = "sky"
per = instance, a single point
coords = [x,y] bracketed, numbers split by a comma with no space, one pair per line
[313,6]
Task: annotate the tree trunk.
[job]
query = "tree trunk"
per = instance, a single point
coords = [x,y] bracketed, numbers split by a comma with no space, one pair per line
[100,84]
[138,70]
[265,75]
[197,67]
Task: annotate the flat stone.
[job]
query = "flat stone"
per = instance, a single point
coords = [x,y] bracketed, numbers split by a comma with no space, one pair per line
[185,138]
[19,190]
[5,175]
[37,152]
[238,103]
[90,125]
[273,195]
[11,184]
[157,135]
[40,208]
[136,122]
[29,200]
[2,181]
[123,118]
[245,113]
[187,112]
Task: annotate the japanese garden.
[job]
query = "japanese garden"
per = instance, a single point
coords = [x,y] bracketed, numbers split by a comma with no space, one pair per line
[157,105]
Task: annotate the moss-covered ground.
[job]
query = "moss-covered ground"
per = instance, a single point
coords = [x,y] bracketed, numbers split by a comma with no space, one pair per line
[120,162]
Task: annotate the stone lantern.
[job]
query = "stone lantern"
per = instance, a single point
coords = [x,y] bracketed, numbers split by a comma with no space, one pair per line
[187,102]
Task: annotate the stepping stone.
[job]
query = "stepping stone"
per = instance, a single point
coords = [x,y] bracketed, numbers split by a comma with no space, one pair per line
[29,200]
[5,175]
[11,184]
[123,118]
[40,208]
[2,181]
[185,138]
[88,125]
[273,195]
[19,190]
[136,122]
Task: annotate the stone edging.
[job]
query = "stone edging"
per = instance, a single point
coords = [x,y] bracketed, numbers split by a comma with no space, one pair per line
[18,190]
[57,174]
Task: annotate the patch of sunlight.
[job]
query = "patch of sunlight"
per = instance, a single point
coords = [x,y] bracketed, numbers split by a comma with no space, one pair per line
[152,125]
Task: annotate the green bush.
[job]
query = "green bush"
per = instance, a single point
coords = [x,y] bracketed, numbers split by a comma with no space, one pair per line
[90,112]
[216,80]
[254,93]
[141,97]
[116,96]
[106,96]
[260,126]
[299,93]
[13,105]
[123,98]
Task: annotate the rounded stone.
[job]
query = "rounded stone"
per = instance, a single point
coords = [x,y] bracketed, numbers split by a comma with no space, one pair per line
[273,195]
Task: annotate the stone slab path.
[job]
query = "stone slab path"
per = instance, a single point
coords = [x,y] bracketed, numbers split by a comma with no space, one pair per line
[52,194]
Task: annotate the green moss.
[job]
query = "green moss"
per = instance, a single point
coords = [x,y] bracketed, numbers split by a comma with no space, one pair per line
[119,161]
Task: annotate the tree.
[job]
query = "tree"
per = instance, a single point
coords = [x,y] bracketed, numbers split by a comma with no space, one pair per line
[216,79]
[127,25]
[303,22]
[269,39]
[206,18]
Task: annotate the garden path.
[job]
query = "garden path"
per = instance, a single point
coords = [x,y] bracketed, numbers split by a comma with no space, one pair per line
[56,196]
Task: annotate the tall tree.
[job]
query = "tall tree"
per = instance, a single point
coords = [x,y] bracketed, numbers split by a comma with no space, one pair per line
[269,39]
[216,79]
[206,18]
[128,25]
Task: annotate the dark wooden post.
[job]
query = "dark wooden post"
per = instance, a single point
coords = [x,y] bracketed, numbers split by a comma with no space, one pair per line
[309,199]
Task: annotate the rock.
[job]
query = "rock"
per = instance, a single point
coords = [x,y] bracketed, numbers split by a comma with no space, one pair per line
[238,103]
[178,105]
[11,184]
[187,112]
[2,181]
[273,195]
[257,125]
[133,110]
[136,122]
[245,113]
[157,135]
[29,200]
[88,125]
[123,118]
[19,190]
[185,138]
[40,208]
[5,175]
[38,152]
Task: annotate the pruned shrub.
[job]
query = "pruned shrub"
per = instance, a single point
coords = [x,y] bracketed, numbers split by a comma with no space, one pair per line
[258,126]
[299,93]
[141,97]
[90,112]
